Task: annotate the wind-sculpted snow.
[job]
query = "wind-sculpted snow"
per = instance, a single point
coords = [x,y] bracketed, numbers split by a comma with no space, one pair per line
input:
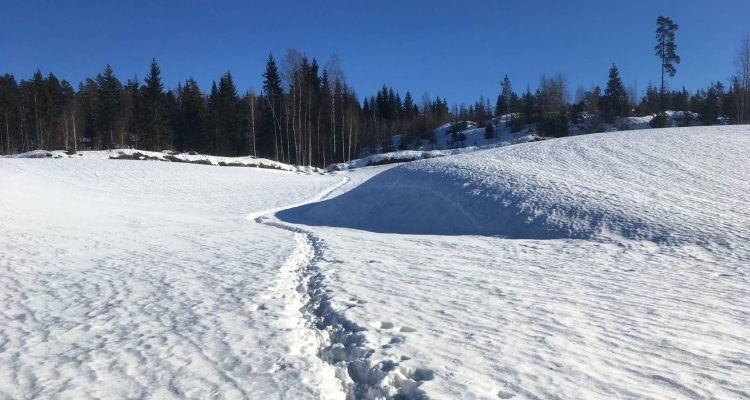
[608,266]
[139,280]
[671,186]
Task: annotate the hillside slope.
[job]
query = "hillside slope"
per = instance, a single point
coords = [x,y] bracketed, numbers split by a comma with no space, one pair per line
[671,185]
[596,267]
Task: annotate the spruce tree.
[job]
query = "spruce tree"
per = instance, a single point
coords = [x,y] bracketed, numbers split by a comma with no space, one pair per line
[272,95]
[155,123]
[109,93]
[616,103]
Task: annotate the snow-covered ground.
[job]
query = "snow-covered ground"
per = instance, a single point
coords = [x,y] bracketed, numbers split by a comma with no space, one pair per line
[132,279]
[601,266]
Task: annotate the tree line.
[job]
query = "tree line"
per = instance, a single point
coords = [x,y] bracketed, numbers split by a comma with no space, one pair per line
[549,108]
[305,114]
[308,114]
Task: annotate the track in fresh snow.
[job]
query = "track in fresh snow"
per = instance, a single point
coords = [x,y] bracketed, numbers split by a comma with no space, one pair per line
[341,342]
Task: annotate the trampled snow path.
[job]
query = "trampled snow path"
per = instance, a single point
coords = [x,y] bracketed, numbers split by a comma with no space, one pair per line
[340,342]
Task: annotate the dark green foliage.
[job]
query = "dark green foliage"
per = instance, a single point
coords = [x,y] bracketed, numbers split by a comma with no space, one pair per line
[615,102]
[660,120]
[489,132]
[554,125]
[154,120]
[665,48]
[515,125]
[108,94]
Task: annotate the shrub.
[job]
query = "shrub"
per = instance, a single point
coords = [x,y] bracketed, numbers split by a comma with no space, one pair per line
[660,120]
[515,125]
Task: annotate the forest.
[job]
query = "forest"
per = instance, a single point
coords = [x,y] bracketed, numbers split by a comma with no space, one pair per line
[307,113]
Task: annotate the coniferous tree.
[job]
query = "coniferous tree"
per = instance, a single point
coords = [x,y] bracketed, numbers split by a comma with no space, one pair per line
[225,106]
[155,123]
[9,115]
[108,111]
[272,95]
[615,102]
[666,49]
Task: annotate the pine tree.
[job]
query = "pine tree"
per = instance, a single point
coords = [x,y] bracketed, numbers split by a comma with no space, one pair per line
[666,49]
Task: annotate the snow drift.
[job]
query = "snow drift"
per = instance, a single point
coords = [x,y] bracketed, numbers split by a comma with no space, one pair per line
[669,186]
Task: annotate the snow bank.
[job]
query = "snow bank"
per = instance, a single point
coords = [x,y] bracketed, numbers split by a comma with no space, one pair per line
[669,185]
[134,154]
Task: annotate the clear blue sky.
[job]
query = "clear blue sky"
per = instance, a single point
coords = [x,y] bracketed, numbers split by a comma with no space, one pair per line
[454,49]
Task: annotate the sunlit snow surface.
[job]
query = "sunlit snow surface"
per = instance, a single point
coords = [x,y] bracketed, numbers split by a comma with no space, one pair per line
[601,266]
[144,279]
[621,270]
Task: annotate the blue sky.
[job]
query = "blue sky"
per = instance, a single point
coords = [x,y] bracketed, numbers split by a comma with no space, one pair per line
[454,49]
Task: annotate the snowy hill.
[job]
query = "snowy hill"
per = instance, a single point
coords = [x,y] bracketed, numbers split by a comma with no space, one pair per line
[672,185]
[599,266]
[474,138]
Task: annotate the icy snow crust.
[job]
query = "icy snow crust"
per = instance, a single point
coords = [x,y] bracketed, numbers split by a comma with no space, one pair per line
[601,266]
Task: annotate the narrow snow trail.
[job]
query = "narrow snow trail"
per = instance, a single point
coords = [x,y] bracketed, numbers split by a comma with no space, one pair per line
[321,327]
[133,279]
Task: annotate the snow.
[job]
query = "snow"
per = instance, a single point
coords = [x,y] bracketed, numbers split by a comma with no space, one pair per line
[194,158]
[603,266]
[132,279]
[599,266]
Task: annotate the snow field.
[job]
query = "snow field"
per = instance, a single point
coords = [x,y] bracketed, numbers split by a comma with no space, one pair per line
[602,266]
[130,279]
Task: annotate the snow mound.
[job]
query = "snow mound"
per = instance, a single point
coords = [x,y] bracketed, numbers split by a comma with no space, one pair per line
[664,185]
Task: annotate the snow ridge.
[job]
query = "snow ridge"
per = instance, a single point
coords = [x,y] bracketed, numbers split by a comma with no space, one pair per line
[341,341]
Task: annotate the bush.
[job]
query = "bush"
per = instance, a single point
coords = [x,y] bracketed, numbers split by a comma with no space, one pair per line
[660,120]
[387,146]
[553,126]
[489,132]
[457,127]
[515,125]
[623,126]
[594,125]
[172,158]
